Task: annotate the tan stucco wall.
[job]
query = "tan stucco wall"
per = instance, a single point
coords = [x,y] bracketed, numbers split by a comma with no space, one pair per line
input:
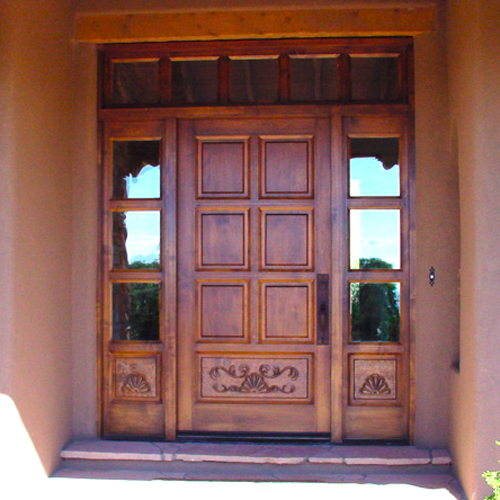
[85,198]
[474,62]
[48,215]
[437,242]
[36,102]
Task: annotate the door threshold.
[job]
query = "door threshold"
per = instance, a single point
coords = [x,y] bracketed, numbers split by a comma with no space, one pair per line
[253,437]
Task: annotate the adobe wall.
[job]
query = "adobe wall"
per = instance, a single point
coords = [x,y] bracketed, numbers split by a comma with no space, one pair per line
[50,231]
[36,116]
[474,38]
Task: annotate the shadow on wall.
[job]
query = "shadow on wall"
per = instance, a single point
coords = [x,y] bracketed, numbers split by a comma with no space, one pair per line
[19,461]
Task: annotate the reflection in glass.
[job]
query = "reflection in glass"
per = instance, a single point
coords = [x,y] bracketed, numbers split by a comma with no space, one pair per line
[313,79]
[136,240]
[254,80]
[136,82]
[373,167]
[136,169]
[136,311]
[375,312]
[194,82]
[374,78]
[375,239]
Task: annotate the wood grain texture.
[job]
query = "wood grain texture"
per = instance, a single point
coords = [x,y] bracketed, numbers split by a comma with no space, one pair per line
[254,332]
[272,23]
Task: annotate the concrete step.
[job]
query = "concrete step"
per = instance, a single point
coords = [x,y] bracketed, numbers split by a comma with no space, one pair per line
[251,462]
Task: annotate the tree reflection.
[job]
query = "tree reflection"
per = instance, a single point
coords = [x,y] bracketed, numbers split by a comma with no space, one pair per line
[136,308]
[375,307]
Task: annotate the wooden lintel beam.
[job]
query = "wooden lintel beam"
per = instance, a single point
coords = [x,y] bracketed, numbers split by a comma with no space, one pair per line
[234,24]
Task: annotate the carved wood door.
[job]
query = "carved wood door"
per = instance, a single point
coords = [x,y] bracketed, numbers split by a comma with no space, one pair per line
[254,255]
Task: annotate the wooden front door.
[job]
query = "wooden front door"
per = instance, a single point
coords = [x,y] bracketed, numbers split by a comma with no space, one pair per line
[257,232]
[254,259]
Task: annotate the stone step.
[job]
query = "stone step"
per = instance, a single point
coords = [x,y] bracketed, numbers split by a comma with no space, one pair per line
[252,462]
[308,458]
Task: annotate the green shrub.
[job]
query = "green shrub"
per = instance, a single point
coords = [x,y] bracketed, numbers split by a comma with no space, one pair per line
[493,480]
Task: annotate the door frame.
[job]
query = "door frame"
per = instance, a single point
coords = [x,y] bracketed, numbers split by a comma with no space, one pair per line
[119,121]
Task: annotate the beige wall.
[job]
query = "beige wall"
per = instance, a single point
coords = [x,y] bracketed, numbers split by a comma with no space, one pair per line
[35,222]
[85,199]
[48,222]
[474,38]
[437,242]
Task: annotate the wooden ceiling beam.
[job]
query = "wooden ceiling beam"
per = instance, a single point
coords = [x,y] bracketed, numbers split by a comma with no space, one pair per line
[239,24]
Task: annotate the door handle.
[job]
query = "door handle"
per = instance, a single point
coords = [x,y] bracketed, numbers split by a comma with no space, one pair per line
[323,309]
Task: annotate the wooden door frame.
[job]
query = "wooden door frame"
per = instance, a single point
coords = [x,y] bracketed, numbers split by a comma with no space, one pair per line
[336,114]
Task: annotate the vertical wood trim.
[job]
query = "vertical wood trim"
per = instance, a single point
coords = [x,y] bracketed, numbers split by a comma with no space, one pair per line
[412,236]
[224,80]
[284,79]
[169,229]
[100,283]
[412,296]
[108,79]
[344,78]
[337,287]
[165,83]
[104,253]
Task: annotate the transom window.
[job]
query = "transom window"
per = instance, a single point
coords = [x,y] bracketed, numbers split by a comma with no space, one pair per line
[222,73]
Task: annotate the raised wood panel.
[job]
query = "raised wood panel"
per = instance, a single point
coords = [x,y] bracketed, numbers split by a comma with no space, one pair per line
[222,241]
[136,378]
[222,310]
[375,423]
[286,167]
[286,310]
[222,167]
[137,420]
[253,379]
[286,239]
[374,380]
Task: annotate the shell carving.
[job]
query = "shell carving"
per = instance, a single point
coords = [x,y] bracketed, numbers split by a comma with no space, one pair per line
[254,382]
[375,385]
[136,383]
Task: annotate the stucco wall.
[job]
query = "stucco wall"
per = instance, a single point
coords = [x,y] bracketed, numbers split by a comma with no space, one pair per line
[437,242]
[474,38]
[35,224]
[50,234]
[85,198]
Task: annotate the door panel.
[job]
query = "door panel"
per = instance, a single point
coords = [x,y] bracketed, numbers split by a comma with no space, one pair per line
[254,230]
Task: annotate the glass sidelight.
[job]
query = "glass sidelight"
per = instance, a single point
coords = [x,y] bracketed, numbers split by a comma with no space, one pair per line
[377,271]
[374,167]
[136,311]
[136,240]
[374,238]
[375,311]
[136,169]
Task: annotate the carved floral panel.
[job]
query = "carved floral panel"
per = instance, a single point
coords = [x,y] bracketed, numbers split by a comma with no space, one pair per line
[135,377]
[374,379]
[255,378]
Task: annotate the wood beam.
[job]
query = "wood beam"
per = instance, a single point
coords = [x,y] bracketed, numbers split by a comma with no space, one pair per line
[239,24]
